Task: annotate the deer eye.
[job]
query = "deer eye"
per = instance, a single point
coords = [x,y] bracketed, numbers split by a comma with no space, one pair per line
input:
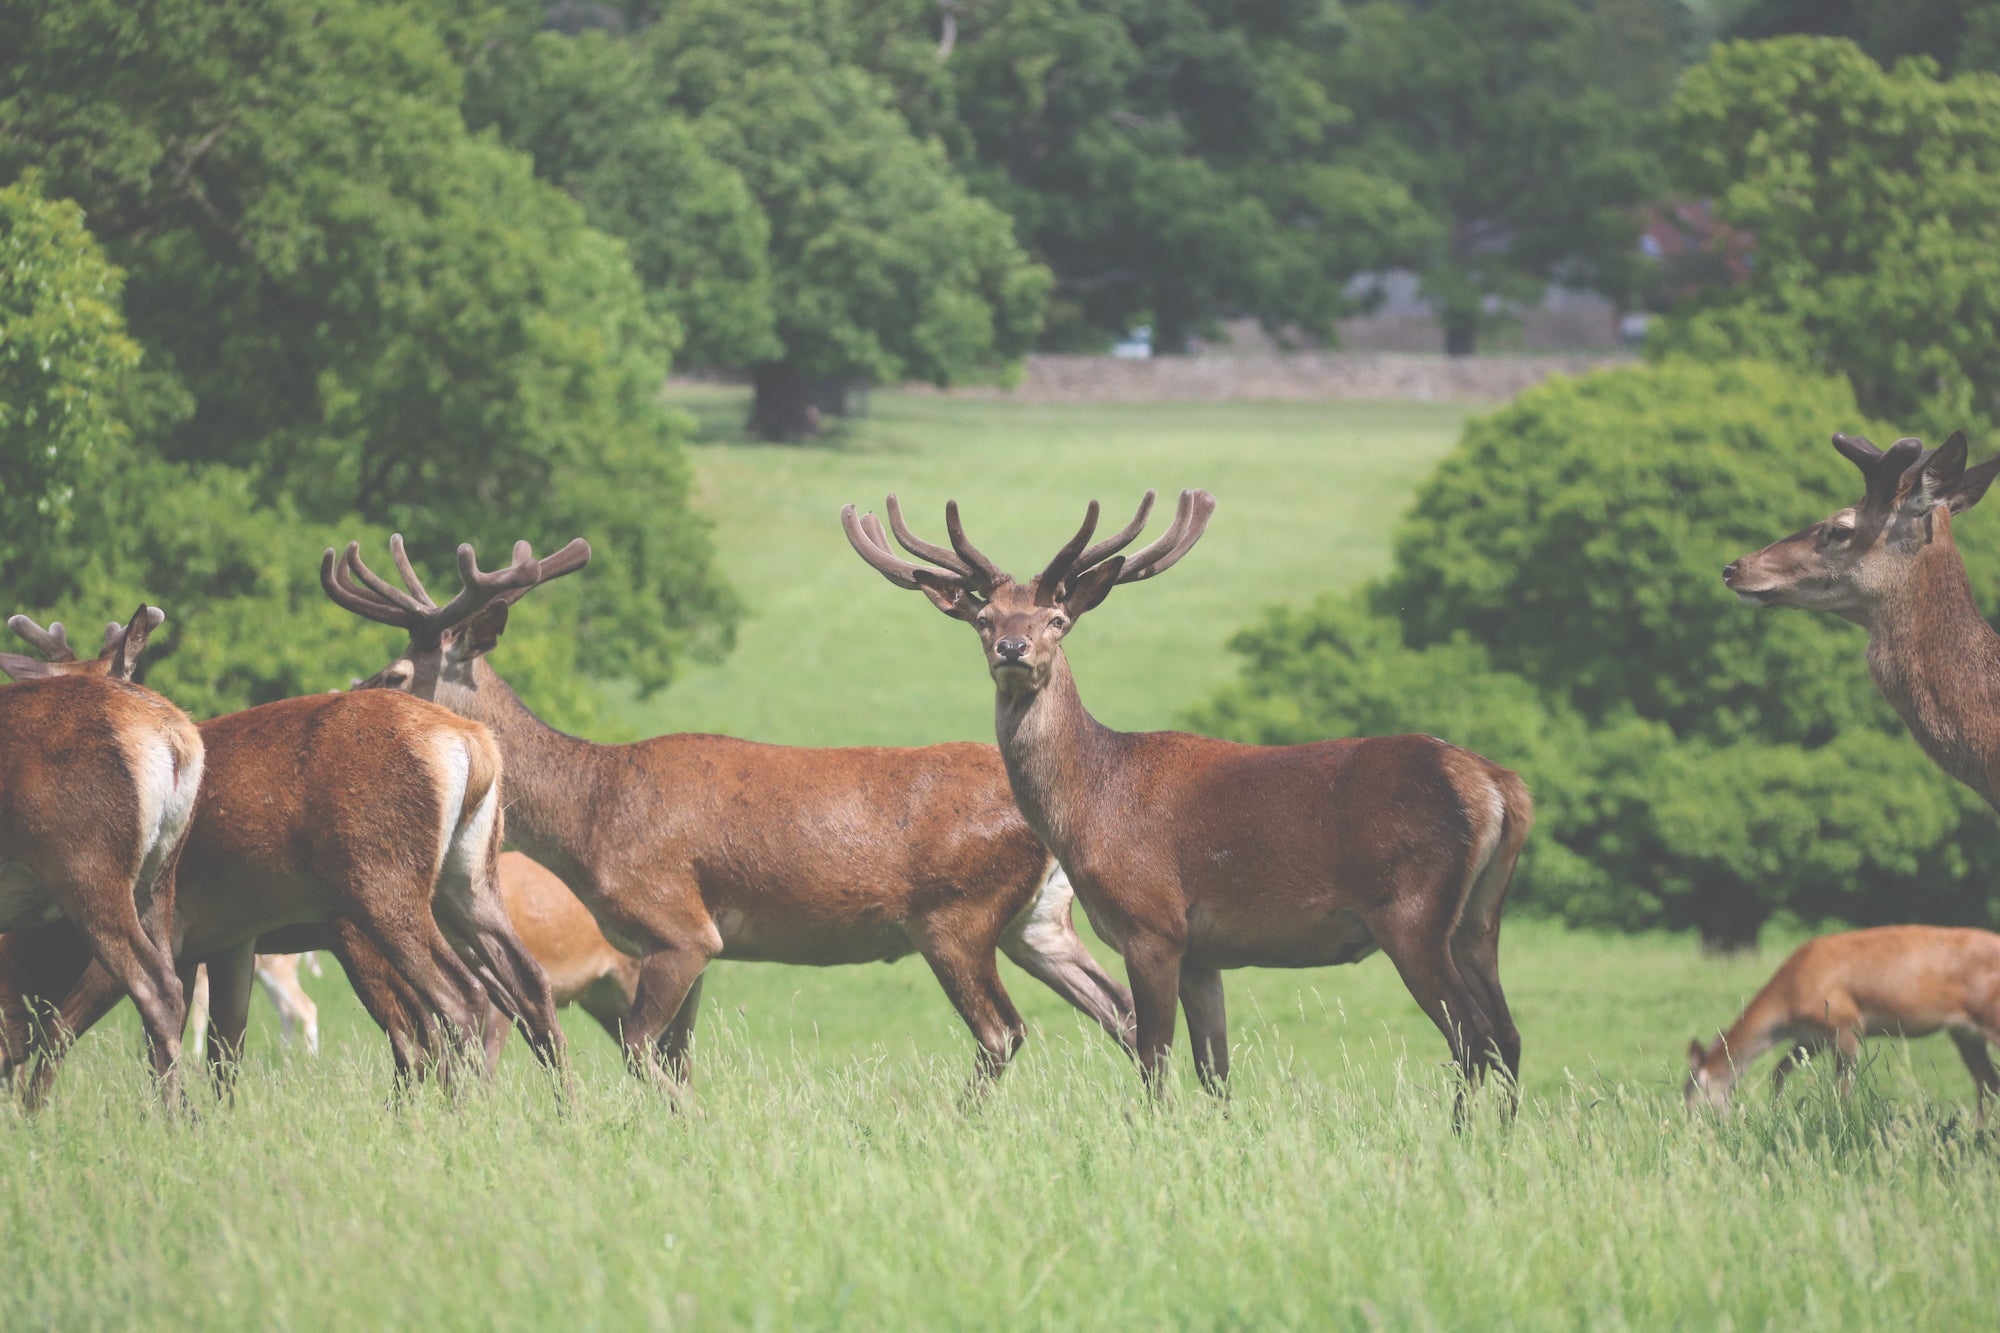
[983,621]
[1058,623]
[1839,533]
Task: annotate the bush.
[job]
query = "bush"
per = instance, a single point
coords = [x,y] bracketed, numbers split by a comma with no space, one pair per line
[1556,604]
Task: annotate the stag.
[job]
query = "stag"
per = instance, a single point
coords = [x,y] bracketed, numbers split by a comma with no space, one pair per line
[687,848]
[1888,563]
[98,781]
[340,821]
[1907,981]
[1192,855]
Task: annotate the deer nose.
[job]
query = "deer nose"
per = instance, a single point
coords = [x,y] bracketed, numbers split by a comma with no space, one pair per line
[1729,572]
[1012,650]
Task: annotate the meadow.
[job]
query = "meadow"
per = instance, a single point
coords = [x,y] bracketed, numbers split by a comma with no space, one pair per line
[830,1169]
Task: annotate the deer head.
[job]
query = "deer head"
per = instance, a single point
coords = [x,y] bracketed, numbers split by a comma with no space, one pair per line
[1022,625]
[1850,560]
[123,647]
[1711,1076]
[444,640]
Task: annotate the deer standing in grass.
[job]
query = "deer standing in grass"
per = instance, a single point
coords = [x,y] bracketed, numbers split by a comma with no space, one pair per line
[98,783]
[1192,855]
[687,848]
[1906,981]
[278,974]
[330,821]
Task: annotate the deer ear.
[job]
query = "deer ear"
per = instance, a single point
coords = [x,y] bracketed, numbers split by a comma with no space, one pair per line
[946,595]
[481,634]
[1696,1053]
[1972,485]
[1941,474]
[124,655]
[1092,586]
[19,666]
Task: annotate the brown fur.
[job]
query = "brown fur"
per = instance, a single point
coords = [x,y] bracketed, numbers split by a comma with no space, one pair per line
[1193,855]
[689,848]
[1907,981]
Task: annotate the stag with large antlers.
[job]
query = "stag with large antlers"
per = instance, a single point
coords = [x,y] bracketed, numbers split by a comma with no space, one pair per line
[1192,855]
[688,848]
[348,821]
[1889,564]
[98,778]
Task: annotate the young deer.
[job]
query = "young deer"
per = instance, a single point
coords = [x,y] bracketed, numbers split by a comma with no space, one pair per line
[584,969]
[687,848]
[354,817]
[1192,855]
[1889,564]
[98,781]
[1907,981]
[278,974]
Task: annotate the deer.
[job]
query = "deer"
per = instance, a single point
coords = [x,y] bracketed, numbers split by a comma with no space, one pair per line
[584,968]
[1888,564]
[1193,855]
[349,821]
[278,974]
[1908,981]
[687,848]
[98,783]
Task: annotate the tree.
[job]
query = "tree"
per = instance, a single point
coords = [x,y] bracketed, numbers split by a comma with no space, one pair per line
[883,266]
[1874,201]
[1958,34]
[1556,604]
[370,310]
[585,109]
[1518,127]
[64,356]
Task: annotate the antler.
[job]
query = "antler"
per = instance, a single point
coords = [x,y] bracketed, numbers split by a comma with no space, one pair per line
[52,643]
[1073,561]
[963,564]
[351,584]
[1883,469]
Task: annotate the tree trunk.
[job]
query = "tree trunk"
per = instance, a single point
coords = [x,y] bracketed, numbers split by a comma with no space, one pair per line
[1461,332]
[783,409]
[1728,917]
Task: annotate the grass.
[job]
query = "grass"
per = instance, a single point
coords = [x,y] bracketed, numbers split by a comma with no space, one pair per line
[829,1171]
[830,654]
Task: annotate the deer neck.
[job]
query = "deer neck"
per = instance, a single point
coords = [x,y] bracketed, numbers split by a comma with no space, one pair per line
[1060,760]
[1937,661]
[546,772]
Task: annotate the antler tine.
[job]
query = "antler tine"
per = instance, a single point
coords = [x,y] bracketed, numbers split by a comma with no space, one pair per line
[566,561]
[1190,521]
[984,570]
[918,547]
[1065,560]
[52,643]
[336,577]
[865,535]
[415,604]
[1120,539]
[1856,449]
[407,572]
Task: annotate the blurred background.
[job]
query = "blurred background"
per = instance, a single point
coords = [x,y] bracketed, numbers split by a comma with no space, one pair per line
[1498,327]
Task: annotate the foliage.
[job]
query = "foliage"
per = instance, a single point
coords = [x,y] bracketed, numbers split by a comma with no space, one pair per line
[884,267]
[1518,128]
[343,292]
[1556,605]
[587,111]
[1958,34]
[1874,200]
[63,356]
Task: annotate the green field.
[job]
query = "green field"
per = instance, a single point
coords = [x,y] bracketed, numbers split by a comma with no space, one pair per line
[829,1171]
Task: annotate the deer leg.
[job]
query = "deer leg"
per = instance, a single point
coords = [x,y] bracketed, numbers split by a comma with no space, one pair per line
[1208,1026]
[1153,963]
[1847,1055]
[1477,955]
[672,1047]
[1043,942]
[1433,979]
[470,908]
[971,981]
[666,979]
[396,1009]
[279,976]
[195,1040]
[1785,1066]
[1971,1045]
[231,976]
[401,927]
[95,994]
[146,971]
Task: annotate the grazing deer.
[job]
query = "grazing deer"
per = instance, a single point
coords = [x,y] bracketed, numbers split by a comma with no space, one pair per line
[355,816]
[1907,981]
[1888,563]
[98,782]
[278,974]
[1192,855]
[687,848]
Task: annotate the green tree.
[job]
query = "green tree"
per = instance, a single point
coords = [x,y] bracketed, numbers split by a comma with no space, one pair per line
[1874,200]
[64,356]
[1519,126]
[1556,603]
[342,291]
[883,266]
[1958,34]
